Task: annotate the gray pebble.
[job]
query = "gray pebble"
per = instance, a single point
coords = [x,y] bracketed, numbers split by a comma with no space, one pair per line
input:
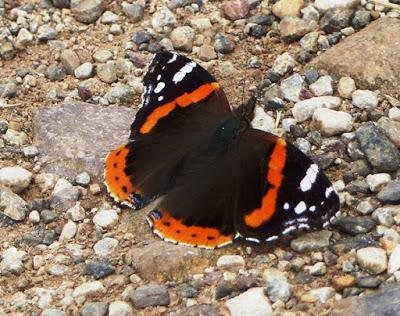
[150,295]
[94,309]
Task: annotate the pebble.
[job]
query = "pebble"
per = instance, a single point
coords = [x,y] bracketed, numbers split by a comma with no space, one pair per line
[394,260]
[207,52]
[58,269]
[311,241]
[224,289]
[311,76]
[283,8]
[325,5]
[331,122]
[150,295]
[345,245]
[391,129]
[46,33]
[105,247]
[163,17]
[34,217]
[368,282]
[182,38]
[383,216]
[377,181]
[24,39]
[82,179]
[394,114]
[283,64]
[262,120]
[53,312]
[231,262]
[277,286]
[87,11]
[235,9]
[323,294]
[309,42]
[30,151]
[366,207]
[133,11]
[69,230]
[364,99]
[94,309]
[12,205]
[106,218]
[120,94]
[372,260]
[46,181]
[76,213]
[323,86]
[336,19]
[222,44]
[107,72]
[84,71]
[15,138]
[201,24]
[48,216]
[344,281]
[346,87]
[109,17]
[355,225]
[89,288]
[361,18]
[252,302]
[379,150]
[318,269]
[70,60]
[304,110]
[390,193]
[187,291]
[292,87]
[56,73]
[16,178]
[102,55]
[120,308]
[12,260]
[99,268]
[293,28]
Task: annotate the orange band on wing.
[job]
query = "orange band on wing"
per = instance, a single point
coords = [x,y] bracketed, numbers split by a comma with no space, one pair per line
[182,101]
[172,229]
[118,184]
[274,176]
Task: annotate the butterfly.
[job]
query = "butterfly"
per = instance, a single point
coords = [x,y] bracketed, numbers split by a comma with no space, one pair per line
[214,178]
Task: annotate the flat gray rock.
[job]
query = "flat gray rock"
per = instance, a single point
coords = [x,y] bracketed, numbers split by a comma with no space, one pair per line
[385,301]
[371,57]
[73,138]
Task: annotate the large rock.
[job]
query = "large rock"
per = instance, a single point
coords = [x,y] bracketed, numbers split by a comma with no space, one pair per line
[160,261]
[382,302]
[378,45]
[73,138]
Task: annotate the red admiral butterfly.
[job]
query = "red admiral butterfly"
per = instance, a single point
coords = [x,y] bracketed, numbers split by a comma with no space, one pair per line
[216,177]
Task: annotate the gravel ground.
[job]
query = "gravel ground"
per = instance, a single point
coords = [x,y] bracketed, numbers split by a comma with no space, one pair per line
[70,84]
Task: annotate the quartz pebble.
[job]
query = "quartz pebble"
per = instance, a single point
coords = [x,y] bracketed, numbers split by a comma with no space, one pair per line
[372,260]
[16,178]
[249,303]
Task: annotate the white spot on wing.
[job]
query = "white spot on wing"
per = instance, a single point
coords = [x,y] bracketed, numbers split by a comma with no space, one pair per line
[312,208]
[158,77]
[271,238]
[286,206]
[288,230]
[300,208]
[328,191]
[173,58]
[159,87]
[160,98]
[304,226]
[253,240]
[183,72]
[309,179]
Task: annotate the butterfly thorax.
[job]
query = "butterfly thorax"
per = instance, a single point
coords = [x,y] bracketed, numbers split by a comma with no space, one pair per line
[230,130]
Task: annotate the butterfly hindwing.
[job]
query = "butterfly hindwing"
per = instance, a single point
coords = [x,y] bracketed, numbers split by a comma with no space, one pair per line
[296,194]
